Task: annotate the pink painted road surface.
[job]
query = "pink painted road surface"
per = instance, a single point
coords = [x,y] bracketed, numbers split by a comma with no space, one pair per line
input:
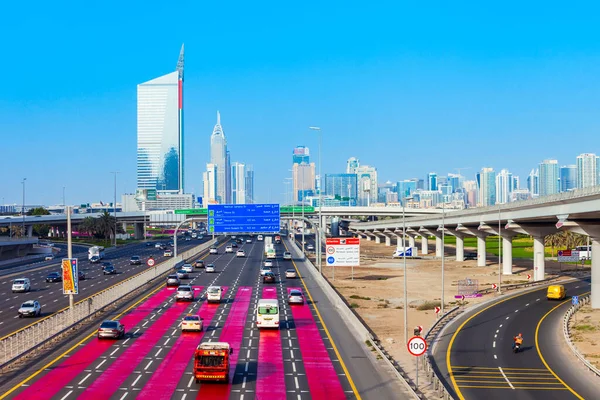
[323,381]
[60,376]
[233,333]
[113,377]
[270,377]
[164,380]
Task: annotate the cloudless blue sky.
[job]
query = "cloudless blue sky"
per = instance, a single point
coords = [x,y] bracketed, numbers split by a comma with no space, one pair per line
[405,87]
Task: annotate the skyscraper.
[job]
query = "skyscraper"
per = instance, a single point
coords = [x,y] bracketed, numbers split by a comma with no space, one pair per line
[367,184]
[249,184]
[504,186]
[405,188]
[486,186]
[341,185]
[160,132]
[587,170]
[533,183]
[218,157]
[238,183]
[352,165]
[210,184]
[303,173]
[548,177]
[568,177]
[301,155]
[432,181]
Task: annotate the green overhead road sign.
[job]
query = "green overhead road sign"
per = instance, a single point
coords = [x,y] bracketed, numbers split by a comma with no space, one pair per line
[296,209]
[192,211]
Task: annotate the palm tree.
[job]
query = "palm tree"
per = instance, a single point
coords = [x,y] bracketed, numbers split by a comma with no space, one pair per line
[106,225]
[88,225]
[554,240]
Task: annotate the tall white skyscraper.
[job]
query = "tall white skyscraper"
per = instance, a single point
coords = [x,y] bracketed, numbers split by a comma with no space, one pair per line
[210,184]
[367,184]
[486,187]
[218,157]
[549,177]
[533,183]
[238,183]
[568,177]
[587,170]
[160,132]
[352,164]
[303,174]
[249,184]
[504,186]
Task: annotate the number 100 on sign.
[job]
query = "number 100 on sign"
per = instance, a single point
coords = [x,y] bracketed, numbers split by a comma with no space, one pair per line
[417,346]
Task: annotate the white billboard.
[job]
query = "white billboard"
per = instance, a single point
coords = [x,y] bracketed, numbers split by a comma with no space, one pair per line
[343,252]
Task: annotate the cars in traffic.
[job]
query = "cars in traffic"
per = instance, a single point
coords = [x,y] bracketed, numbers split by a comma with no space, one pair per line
[112,329]
[287,255]
[168,253]
[191,323]
[295,297]
[269,277]
[213,294]
[310,247]
[187,268]
[135,260]
[21,285]
[240,253]
[158,245]
[268,263]
[148,244]
[556,292]
[106,264]
[248,240]
[259,238]
[290,273]
[181,274]
[229,249]
[94,259]
[184,292]
[110,270]
[210,268]
[264,269]
[199,264]
[30,308]
[54,277]
[81,275]
[213,250]
[173,280]
[49,257]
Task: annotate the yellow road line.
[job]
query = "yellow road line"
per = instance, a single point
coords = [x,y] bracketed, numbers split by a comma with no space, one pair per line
[508,387]
[449,351]
[537,346]
[501,377]
[39,371]
[503,368]
[337,353]
[482,373]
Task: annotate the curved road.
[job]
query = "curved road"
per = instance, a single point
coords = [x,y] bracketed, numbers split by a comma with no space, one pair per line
[50,295]
[476,359]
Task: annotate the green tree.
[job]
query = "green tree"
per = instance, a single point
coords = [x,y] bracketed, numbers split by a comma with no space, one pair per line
[40,229]
[89,225]
[106,225]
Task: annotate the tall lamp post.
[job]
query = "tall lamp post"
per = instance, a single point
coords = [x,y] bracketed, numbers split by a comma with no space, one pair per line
[23,209]
[443,252]
[318,129]
[404,263]
[115,206]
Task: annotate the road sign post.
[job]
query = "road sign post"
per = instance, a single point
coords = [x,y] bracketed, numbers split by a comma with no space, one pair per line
[417,346]
[150,262]
[343,252]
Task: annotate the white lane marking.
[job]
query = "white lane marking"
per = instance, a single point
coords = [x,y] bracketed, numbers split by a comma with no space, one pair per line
[114,351]
[516,310]
[148,366]
[136,380]
[507,381]
[495,357]
[84,379]
[494,344]
[191,381]
[500,326]
[99,365]
[185,395]
[507,317]
[158,352]
[66,395]
[124,395]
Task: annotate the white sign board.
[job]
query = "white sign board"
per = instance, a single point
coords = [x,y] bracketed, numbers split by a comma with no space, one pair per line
[410,252]
[568,256]
[343,252]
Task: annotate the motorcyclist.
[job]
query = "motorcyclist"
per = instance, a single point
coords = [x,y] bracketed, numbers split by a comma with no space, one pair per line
[518,340]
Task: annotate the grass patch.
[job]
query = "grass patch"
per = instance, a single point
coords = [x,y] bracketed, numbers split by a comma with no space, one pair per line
[357,297]
[398,307]
[429,305]
[354,305]
[585,328]
[383,304]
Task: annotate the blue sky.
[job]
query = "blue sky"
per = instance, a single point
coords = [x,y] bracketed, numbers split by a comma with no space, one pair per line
[407,88]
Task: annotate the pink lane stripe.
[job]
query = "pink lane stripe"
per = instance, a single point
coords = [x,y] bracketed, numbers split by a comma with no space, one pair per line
[60,376]
[114,376]
[164,380]
[233,333]
[270,378]
[323,381]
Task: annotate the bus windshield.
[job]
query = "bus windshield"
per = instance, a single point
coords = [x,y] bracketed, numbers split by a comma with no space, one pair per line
[268,310]
[211,361]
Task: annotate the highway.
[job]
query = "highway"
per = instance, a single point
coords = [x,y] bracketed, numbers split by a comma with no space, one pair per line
[155,359]
[50,294]
[475,354]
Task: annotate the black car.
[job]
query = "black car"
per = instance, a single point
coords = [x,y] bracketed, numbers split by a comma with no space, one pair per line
[470,256]
[109,270]
[239,240]
[106,265]
[81,276]
[95,259]
[269,277]
[53,277]
[149,244]
[234,244]
[135,260]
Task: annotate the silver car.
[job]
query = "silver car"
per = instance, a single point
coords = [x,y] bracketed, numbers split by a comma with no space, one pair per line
[184,292]
[181,274]
[295,297]
[210,268]
[173,280]
[111,329]
[30,308]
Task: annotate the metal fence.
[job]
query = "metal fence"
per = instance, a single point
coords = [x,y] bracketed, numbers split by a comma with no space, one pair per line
[22,341]
[583,300]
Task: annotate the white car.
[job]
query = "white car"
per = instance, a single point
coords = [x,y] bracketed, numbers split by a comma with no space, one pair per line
[49,257]
[287,255]
[295,297]
[21,285]
[264,269]
[184,292]
[268,263]
[260,238]
[213,294]
[210,268]
[187,268]
[213,250]
[310,247]
[248,240]
[31,308]
[229,249]
[290,273]
[157,245]
[191,323]
[168,253]
[240,253]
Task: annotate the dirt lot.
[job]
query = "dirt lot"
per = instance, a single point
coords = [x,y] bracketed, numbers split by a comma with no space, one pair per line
[376,292]
[585,333]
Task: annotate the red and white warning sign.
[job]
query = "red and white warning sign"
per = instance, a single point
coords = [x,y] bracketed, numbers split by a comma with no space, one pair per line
[150,262]
[343,252]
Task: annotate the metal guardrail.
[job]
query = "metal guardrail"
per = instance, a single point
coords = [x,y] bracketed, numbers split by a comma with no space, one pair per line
[583,300]
[24,340]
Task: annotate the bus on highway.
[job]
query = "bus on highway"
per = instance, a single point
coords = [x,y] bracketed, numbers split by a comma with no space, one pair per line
[267,313]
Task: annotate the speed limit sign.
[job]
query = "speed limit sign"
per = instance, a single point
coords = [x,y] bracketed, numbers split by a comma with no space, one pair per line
[150,262]
[417,346]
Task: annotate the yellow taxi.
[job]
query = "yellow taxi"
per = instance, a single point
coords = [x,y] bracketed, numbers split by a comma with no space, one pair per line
[556,292]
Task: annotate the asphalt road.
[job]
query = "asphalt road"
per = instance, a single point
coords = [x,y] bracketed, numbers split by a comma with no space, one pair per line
[155,359]
[50,294]
[40,262]
[483,364]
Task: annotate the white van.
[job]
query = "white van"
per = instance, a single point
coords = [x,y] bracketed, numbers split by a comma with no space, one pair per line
[260,238]
[267,313]
[213,294]
[21,285]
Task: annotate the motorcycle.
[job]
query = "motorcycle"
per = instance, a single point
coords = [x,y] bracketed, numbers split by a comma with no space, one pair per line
[516,347]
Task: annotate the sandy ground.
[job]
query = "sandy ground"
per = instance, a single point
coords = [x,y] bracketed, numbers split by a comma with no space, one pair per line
[585,333]
[376,290]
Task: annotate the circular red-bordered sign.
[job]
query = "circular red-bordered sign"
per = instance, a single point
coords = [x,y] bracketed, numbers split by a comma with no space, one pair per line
[150,262]
[330,250]
[417,346]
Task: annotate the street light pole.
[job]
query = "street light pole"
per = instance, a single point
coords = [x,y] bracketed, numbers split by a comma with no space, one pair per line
[318,129]
[499,253]
[443,237]
[115,206]
[23,209]
[405,278]
[64,201]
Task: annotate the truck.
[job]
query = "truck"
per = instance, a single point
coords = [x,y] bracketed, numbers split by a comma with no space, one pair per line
[211,361]
[96,251]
